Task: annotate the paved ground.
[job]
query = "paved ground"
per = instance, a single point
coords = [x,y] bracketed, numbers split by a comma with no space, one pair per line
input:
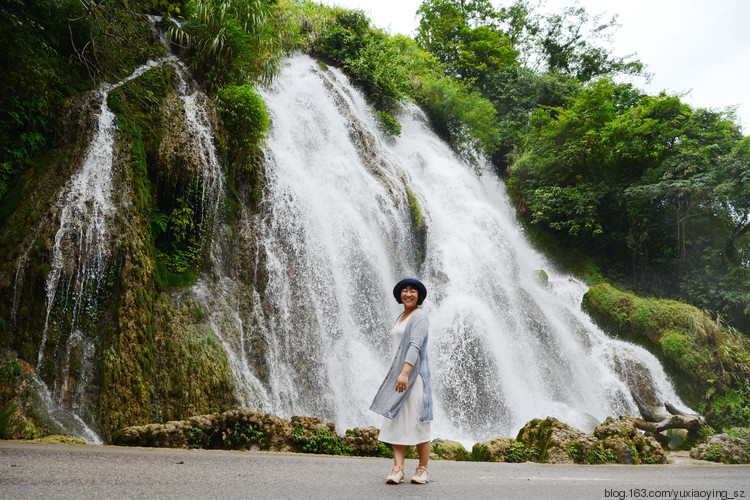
[36,470]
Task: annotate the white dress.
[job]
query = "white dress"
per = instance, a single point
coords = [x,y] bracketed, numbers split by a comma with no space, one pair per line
[405,427]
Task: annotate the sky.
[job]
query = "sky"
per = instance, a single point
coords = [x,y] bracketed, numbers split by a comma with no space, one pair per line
[693,47]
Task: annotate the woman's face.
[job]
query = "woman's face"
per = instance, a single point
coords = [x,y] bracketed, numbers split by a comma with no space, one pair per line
[409,297]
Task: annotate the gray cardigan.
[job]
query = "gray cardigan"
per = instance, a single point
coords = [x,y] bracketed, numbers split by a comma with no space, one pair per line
[412,350]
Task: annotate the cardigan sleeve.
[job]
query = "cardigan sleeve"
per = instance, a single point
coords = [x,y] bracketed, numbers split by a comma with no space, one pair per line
[416,338]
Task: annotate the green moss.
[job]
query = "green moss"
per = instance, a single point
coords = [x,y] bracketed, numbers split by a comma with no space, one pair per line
[59,439]
[416,212]
[706,357]
[479,454]
[678,347]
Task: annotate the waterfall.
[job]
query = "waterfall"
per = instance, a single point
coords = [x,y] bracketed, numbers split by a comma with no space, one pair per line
[85,210]
[336,232]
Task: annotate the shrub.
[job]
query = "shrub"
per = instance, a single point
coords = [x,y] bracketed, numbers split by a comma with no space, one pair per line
[246,119]
[322,441]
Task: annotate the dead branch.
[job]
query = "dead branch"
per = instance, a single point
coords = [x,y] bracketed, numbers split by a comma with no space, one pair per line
[657,422]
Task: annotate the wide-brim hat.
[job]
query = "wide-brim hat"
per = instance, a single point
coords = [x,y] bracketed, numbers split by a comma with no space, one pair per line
[421,289]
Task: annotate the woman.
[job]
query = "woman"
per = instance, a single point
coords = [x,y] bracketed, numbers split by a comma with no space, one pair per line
[405,396]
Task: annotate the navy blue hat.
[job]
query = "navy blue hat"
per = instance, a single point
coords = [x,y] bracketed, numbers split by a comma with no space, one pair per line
[421,290]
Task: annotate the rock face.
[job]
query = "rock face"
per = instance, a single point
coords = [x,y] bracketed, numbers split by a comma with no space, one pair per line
[614,441]
[237,429]
[723,448]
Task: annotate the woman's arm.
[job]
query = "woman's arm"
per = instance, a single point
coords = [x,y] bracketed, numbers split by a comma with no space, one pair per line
[403,378]
[416,338]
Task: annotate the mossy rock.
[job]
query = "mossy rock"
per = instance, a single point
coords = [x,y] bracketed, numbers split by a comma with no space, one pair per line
[552,441]
[493,450]
[60,439]
[363,441]
[613,441]
[449,450]
[723,448]
[697,350]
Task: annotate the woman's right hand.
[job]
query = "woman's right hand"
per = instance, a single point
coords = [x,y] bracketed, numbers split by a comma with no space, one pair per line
[402,382]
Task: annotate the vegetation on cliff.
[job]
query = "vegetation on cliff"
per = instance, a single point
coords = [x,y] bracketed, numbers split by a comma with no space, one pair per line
[710,360]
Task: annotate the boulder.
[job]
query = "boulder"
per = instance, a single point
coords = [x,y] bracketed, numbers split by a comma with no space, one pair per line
[723,448]
[494,450]
[613,441]
[444,449]
[554,442]
[628,444]
[363,441]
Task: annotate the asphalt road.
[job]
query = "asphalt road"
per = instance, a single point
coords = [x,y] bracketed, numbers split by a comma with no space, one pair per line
[37,470]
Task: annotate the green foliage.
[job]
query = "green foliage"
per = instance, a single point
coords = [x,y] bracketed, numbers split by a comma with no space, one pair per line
[516,453]
[464,37]
[568,42]
[731,409]
[179,239]
[196,438]
[600,455]
[246,119]
[713,454]
[574,453]
[34,78]
[462,117]
[243,435]
[226,38]
[322,441]
[478,453]
[371,58]
[642,185]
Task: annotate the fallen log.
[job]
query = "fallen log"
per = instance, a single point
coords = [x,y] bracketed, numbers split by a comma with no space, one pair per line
[657,422]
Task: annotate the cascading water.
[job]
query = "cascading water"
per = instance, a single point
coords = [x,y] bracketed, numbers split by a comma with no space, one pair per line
[337,230]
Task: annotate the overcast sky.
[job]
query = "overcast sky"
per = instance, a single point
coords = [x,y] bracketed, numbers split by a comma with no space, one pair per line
[696,46]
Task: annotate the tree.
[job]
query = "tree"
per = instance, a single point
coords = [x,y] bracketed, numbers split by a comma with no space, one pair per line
[568,42]
[464,36]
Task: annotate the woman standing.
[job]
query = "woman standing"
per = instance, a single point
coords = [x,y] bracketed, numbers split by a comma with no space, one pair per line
[405,396]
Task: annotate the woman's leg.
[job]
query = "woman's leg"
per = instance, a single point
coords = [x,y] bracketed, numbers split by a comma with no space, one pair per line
[399,452]
[423,450]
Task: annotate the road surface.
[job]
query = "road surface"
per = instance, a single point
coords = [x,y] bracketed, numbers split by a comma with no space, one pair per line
[39,470]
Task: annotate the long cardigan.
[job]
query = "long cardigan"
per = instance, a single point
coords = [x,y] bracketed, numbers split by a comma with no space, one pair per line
[412,350]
